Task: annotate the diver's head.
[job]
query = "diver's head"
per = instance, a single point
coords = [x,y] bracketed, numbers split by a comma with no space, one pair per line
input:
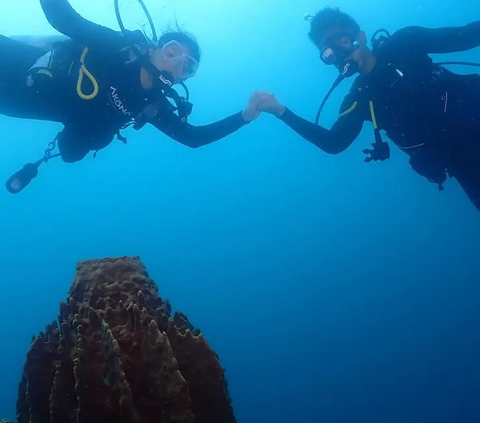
[177,54]
[339,39]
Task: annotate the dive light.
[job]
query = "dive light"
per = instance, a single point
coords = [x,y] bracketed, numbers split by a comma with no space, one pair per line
[19,180]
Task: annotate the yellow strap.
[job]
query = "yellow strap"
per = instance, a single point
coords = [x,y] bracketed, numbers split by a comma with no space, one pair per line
[45,72]
[350,110]
[372,113]
[84,71]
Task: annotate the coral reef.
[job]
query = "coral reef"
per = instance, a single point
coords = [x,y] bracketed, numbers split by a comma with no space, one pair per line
[117,354]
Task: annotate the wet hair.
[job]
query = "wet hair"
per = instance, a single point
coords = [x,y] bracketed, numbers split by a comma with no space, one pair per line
[328,19]
[183,38]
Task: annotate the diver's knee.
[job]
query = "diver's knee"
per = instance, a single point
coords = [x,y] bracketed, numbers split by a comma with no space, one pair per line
[72,154]
[71,158]
[70,146]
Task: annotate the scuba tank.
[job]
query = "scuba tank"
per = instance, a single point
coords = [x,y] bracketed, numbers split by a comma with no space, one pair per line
[43,42]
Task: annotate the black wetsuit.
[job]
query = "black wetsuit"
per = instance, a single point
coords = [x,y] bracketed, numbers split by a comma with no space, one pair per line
[429,112]
[90,124]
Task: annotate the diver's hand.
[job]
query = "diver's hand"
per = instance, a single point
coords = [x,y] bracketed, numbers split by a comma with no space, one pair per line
[250,114]
[269,104]
[252,111]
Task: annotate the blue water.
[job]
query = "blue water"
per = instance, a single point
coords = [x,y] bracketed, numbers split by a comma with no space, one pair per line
[333,290]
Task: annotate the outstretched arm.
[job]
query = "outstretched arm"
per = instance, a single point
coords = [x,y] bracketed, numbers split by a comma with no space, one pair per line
[440,40]
[333,141]
[198,136]
[61,15]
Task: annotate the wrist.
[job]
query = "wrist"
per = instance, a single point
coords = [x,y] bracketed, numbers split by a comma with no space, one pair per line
[247,115]
[280,111]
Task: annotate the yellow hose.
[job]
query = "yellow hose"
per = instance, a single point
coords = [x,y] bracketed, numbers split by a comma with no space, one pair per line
[372,113]
[84,71]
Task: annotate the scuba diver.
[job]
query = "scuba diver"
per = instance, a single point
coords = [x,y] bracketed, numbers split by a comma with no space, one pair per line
[96,81]
[429,112]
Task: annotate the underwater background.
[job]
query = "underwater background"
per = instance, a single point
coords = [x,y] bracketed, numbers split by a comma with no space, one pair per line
[332,290]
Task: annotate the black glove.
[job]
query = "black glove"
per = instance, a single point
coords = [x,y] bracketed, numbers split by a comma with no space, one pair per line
[380,151]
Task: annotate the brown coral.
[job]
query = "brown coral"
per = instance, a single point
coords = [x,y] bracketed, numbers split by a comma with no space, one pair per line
[119,356]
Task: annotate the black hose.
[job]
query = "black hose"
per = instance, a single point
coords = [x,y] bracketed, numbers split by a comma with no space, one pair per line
[147,14]
[329,93]
[119,17]
[334,86]
[150,20]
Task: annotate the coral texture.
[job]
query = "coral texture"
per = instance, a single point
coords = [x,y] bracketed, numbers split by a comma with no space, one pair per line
[118,355]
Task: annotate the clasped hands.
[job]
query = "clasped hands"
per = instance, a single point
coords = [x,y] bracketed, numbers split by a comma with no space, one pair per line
[262,101]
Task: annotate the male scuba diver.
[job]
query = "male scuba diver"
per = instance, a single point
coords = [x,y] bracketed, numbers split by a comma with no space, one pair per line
[99,81]
[429,112]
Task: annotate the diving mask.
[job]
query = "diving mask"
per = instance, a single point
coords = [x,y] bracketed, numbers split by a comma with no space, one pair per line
[337,49]
[185,65]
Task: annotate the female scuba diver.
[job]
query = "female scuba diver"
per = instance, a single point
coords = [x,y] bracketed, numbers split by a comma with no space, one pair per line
[99,81]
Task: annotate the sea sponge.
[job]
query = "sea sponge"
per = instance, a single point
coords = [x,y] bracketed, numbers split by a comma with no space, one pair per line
[117,354]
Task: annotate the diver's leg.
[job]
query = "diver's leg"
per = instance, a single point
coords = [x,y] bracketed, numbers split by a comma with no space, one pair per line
[16,58]
[74,143]
[473,194]
[468,176]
